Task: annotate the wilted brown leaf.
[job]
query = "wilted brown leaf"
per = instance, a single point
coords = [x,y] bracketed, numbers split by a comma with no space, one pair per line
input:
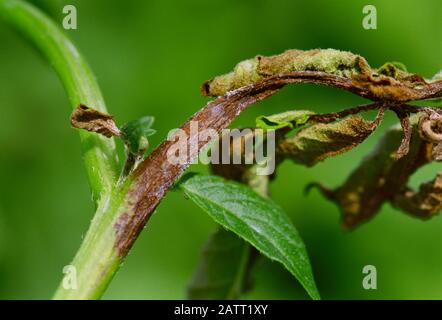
[92,120]
[423,204]
[321,141]
[380,177]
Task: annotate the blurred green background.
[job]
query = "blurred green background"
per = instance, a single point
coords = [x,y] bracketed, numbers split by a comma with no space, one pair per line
[150,58]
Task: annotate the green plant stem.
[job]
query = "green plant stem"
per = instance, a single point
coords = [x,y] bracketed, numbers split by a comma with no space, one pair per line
[100,155]
[96,261]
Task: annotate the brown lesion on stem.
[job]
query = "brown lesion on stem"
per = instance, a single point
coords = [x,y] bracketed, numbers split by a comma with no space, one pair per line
[155,175]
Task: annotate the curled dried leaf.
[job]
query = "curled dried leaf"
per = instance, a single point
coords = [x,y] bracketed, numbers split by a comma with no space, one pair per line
[430,126]
[425,203]
[93,120]
[380,177]
[321,141]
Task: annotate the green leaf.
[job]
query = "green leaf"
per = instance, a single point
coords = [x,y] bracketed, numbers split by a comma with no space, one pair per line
[223,269]
[257,220]
[289,119]
[135,133]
